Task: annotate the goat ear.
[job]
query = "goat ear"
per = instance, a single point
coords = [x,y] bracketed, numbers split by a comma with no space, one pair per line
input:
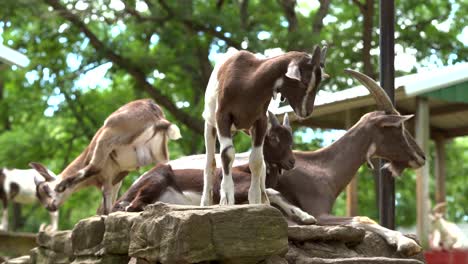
[393,120]
[42,170]
[37,180]
[293,71]
[273,120]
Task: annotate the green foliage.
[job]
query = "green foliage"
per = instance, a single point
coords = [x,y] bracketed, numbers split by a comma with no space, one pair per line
[50,116]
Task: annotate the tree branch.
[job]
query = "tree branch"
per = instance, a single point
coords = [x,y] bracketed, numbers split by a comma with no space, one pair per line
[321,14]
[191,122]
[289,13]
[367,11]
[196,26]
[360,5]
[244,14]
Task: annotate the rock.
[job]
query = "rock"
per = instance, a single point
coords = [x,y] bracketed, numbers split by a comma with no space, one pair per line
[19,260]
[87,236]
[188,234]
[104,259]
[275,260]
[117,233]
[345,234]
[40,255]
[59,241]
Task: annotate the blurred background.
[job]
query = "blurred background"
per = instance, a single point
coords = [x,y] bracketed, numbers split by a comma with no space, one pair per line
[87,58]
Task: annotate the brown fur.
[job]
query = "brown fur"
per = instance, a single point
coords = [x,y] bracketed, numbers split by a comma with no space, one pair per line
[98,164]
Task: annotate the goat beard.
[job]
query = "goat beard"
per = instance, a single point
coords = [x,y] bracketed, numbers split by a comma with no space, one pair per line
[396,168]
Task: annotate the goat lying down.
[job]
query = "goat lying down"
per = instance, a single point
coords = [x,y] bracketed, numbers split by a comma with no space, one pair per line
[133,136]
[445,234]
[312,186]
[18,186]
[237,97]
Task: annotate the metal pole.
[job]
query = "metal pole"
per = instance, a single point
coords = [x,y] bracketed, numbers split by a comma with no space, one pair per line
[387,81]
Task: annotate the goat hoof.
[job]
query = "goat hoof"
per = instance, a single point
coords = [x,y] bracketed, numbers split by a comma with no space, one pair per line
[408,247]
[309,220]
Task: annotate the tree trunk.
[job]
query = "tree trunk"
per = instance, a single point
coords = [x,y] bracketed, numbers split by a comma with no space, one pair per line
[17,219]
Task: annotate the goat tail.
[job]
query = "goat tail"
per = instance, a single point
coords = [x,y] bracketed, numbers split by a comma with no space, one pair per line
[174,132]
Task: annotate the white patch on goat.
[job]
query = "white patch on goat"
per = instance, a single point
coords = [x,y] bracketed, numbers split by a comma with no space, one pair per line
[173,132]
[198,161]
[170,195]
[392,237]
[210,164]
[257,167]
[227,184]
[370,153]
[25,180]
[211,93]
[310,89]
[144,150]
[289,209]
[194,198]
[4,226]
[278,83]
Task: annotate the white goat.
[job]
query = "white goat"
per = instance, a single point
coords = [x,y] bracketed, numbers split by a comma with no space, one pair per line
[445,234]
[18,186]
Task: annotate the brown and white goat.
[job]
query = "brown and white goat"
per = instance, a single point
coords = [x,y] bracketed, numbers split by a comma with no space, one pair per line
[18,186]
[181,182]
[237,97]
[133,136]
[445,234]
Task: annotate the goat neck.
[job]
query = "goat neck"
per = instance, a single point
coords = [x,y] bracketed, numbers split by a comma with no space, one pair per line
[346,155]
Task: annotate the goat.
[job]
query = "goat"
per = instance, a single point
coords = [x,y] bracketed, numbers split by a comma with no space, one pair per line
[185,185]
[18,186]
[237,97]
[320,176]
[312,186]
[445,234]
[134,135]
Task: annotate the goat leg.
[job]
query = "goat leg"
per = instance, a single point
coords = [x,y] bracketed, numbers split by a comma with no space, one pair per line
[404,245]
[289,209]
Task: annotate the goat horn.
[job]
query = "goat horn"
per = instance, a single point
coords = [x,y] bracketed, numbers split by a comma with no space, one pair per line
[273,120]
[381,98]
[439,208]
[323,55]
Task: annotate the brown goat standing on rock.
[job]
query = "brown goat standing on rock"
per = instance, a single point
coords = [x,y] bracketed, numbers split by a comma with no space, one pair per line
[237,97]
[135,135]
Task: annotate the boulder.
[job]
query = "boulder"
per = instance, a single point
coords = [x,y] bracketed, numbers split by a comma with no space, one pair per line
[116,238]
[345,234]
[40,255]
[59,241]
[87,236]
[189,234]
